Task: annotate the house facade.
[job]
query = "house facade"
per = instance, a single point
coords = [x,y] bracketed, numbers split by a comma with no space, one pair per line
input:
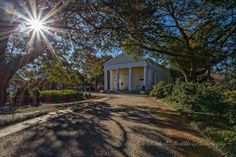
[125,72]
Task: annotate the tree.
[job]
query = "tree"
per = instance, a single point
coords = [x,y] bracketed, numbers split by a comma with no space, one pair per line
[192,35]
[92,67]
[12,15]
[89,64]
[60,71]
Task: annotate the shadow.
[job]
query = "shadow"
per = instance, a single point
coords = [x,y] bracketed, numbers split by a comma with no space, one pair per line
[155,116]
[99,129]
[5,110]
[155,151]
[76,134]
[210,120]
[167,145]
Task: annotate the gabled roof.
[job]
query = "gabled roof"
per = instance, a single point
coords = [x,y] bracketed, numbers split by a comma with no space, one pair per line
[124,58]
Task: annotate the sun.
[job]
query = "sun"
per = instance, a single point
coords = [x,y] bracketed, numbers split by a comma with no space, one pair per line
[37,20]
[36,25]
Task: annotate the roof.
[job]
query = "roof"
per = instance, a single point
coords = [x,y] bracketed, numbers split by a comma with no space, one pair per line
[124,58]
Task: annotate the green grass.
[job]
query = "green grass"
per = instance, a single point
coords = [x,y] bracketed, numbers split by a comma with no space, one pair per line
[216,128]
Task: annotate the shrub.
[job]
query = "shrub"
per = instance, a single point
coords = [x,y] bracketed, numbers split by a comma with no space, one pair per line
[210,100]
[183,96]
[22,96]
[197,97]
[59,95]
[161,90]
[230,97]
[35,96]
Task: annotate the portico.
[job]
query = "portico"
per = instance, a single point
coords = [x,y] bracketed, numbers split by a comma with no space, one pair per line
[125,73]
[125,78]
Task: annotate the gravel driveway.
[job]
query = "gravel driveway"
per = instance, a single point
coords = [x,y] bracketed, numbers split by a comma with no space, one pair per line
[120,125]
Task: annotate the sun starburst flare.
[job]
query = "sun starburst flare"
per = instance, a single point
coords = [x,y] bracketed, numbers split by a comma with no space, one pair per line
[38,19]
[36,25]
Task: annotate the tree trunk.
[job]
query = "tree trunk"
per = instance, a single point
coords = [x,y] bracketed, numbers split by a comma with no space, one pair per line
[190,76]
[209,74]
[8,70]
[5,77]
[193,77]
[186,77]
[6,28]
[3,93]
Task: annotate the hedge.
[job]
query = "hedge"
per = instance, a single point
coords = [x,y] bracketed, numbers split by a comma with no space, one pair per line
[57,96]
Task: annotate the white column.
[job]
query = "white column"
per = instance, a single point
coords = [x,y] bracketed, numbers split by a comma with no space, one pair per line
[145,77]
[111,80]
[105,79]
[130,78]
[117,79]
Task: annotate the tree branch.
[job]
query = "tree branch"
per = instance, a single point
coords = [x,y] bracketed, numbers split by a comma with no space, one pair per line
[23,60]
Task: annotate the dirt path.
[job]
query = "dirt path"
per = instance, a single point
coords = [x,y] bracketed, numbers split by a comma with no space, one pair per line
[118,125]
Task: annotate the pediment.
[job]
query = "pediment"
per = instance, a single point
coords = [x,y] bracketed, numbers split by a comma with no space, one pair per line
[123,59]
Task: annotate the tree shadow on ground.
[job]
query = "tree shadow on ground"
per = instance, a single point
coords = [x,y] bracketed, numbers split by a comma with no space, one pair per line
[76,134]
[156,117]
[93,130]
[176,132]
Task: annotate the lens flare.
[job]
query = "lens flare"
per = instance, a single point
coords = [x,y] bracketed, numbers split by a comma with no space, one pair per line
[36,25]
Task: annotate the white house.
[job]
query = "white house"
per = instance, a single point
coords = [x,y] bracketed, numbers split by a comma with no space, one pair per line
[124,72]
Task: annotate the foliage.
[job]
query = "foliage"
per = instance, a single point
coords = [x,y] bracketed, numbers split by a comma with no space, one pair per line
[161,90]
[58,92]
[197,97]
[225,138]
[59,71]
[192,36]
[22,96]
[231,97]
[35,96]
[19,47]
[59,95]
[90,65]
[219,129]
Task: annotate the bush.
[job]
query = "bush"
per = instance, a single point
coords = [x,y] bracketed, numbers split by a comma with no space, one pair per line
[67,95]
[22,97]
[230,97]
[161,90]
[197,97]
[183,96]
